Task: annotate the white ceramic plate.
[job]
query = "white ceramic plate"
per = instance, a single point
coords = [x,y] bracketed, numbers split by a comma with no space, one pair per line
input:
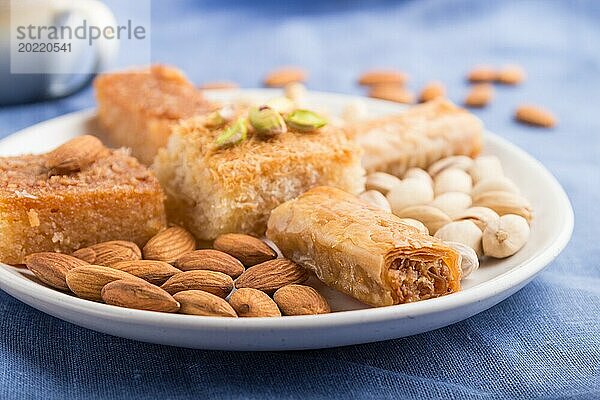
[492,283]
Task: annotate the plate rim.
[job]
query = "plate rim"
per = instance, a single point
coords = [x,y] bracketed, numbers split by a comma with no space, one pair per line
[514,278]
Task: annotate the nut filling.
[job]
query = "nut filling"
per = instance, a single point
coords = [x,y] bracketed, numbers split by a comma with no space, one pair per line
[416,280]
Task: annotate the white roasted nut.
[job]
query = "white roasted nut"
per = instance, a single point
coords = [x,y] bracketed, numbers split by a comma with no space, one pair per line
[375,198]
[452,180]
[415,223]
[469,262]
[282,105]
[500,183]
[505,238]
[505,203]
[452,203]
[433,218]
[481,216]
[355,110]
[459,162]
[382,182]
[296,92]
[418,173]
[409,192]
[465,232]
[485,167]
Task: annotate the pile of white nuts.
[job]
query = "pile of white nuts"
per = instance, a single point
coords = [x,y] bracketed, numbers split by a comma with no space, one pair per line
[468,203]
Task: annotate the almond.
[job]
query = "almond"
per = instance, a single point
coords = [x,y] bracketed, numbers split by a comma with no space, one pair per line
[432,91]
[482,73]
[479,95]
[219,85]
[248,249]
[282,76]
[198,302]
[398,94]
[213,282]
[383,77]
[212,260]
[87,281]
[536,116]
[108,253]
[52,268]
[511,75]
[169,244]
[155,272]
[300,300]
[75,155]
[249,302]
[272,275]
[138,295]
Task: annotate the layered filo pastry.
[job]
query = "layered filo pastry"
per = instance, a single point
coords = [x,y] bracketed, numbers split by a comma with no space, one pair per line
[418,137]
[361,250]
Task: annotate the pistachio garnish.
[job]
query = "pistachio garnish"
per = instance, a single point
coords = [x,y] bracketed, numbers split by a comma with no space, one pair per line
[233,134]
[220,117]
[266,121]
[282,105]
[305,120]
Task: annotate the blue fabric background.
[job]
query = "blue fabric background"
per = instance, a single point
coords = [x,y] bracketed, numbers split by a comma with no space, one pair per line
[543,342]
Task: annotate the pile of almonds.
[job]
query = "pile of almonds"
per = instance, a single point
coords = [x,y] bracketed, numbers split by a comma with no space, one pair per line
[234,279]
[463,201]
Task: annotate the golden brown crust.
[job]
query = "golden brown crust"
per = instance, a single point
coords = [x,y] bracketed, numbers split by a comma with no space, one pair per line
[356,248]
[115,198]
[418,137]
[213,191]
[158,91]
[137,108]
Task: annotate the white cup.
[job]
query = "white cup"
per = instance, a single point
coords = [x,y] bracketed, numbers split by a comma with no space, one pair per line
[48,82]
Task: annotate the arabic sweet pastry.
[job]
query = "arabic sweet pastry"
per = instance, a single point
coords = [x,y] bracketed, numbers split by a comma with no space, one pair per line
[361,250]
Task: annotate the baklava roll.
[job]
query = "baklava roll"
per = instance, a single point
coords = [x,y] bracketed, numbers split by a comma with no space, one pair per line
[361,250]
[418,137]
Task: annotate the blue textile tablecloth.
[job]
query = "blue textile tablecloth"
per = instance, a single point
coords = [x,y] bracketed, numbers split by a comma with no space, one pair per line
[543,342]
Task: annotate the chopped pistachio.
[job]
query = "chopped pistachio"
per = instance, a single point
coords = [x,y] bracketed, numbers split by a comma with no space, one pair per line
[266,121]
[305,120]
[282,105]
[233,134]
[221,116]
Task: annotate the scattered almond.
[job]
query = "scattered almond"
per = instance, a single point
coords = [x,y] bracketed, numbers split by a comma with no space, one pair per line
[300,300]
[272,275]
[398,94]
[155,272]
[479,95]
[511,75]
[108,253]
[213,282]
[75,155]
[138,295]
[249,302]
[169,244]
[212,260]
[432,91]
[219,85]
[282,76]
[482,73]
[87,281]
[198,302]
[248,249]
[536,116]
[52,268]
[383,77]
